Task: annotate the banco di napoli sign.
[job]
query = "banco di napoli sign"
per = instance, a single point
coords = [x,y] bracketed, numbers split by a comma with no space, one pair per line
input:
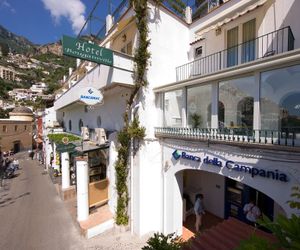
[86,51]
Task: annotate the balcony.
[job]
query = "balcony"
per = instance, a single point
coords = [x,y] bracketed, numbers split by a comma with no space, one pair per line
[273,43]
[288,138]
[100,77]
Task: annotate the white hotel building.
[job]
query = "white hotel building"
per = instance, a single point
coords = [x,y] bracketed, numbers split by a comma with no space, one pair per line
[224,91]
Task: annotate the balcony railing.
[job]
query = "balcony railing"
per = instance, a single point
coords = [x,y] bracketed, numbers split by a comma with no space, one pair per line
[285,137]
[270,44]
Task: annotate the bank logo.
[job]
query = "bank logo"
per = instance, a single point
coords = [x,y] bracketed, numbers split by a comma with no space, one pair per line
[176,155]
[90,91]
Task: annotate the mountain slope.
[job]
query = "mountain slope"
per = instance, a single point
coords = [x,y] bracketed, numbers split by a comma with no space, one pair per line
[15,42]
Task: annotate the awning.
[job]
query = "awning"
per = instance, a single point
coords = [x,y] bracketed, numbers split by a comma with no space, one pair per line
[228,19]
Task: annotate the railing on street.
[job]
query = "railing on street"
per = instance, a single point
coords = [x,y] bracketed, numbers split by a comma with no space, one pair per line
[284,137]
[270,44]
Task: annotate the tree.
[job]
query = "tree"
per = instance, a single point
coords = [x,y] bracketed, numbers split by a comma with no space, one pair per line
[4,49]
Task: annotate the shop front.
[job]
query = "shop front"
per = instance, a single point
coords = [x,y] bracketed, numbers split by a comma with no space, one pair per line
[98,182]
[228,177]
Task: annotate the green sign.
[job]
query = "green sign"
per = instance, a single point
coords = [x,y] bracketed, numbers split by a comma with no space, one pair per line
[86,51]
[63,148]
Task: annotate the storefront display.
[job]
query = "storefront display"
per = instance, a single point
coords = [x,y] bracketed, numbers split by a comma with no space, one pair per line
[98,183]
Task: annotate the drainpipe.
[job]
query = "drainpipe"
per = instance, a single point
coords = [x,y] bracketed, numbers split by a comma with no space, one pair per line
[133,112]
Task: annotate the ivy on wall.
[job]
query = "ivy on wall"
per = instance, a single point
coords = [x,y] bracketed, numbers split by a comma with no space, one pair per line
[132,130]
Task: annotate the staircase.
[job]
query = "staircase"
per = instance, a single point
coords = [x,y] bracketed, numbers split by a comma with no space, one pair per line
[227,235]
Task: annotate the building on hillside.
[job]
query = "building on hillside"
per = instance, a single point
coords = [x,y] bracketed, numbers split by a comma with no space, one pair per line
[39,87]
[7,73]
[220,111]
[16,132]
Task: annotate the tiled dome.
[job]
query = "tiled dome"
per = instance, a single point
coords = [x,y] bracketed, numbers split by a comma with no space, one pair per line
[23,110]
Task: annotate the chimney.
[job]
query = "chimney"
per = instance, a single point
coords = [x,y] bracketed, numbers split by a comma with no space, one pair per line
[188,15]
[78,61]
[70,71]
[109,23]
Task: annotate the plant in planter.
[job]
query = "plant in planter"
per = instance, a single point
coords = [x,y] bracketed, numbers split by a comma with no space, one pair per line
[196,120]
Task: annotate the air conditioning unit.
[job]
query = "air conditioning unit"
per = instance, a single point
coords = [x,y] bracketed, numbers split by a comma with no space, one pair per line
[100,136]
[85,133]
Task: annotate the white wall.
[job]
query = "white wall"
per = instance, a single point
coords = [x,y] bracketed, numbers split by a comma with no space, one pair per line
[279,191]
[212,186]
[111,113]
[148,186]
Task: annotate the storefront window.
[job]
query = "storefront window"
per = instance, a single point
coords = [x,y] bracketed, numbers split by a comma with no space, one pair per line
[236,99]
[280,99]
[173,108]
[199,106]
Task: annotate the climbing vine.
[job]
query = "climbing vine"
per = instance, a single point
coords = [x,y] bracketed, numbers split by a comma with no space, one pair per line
[132,130]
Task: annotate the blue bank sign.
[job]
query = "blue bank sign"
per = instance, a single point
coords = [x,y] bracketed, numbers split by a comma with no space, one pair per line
[231,165]
[90,96]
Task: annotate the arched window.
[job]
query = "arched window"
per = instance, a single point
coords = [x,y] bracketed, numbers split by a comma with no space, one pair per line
[70,125]
[80,124]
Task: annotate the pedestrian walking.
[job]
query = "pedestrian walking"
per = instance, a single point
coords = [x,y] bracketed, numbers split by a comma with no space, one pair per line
[199,211]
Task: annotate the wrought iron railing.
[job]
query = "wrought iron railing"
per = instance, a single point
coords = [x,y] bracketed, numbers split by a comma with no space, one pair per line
[285,137]
[270,44]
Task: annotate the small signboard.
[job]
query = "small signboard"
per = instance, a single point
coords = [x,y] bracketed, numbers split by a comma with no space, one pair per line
[63,148]
[90,96]
[86,51]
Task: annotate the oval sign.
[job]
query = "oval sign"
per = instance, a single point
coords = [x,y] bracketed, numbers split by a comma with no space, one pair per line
[90,96]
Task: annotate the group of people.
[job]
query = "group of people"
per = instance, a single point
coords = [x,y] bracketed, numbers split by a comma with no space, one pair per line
[251,211]
[8,167]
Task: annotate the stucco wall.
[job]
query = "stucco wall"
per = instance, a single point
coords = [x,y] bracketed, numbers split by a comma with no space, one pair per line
[279,191]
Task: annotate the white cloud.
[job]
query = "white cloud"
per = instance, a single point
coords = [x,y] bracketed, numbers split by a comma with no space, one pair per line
[5,4]
[73,10]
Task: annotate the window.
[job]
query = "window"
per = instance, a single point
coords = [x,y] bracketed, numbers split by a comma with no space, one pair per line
[70,125]
[127,49]
[236,101]
[25,127]
[80,124]
[99,121]
[280,99]
[16,127]
[174,104]
[86,109]
[248,47]
[198,51]
[232,51]
[199,106]
[4,128]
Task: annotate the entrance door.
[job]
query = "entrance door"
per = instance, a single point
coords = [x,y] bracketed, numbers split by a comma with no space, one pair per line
[238,194]
[232,47]
[16,147]
[248,47]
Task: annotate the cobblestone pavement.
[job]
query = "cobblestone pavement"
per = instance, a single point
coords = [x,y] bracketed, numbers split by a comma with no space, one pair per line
[34,217]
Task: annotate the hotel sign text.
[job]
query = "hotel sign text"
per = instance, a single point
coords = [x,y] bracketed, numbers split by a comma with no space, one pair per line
[86,51]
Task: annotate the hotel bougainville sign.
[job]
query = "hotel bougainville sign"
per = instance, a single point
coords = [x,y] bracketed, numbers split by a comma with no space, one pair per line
[86,51]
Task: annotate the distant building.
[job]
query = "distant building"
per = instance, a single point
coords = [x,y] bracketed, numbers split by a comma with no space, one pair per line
[16,132]
[7,73]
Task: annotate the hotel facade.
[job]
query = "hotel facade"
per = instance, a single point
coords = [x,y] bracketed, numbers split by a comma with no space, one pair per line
[221,112]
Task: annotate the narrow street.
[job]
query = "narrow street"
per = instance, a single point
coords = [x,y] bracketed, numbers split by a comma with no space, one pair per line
[33,216]
[31,213]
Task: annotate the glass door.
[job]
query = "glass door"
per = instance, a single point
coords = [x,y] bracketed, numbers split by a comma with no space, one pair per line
[232,47]
[248,47]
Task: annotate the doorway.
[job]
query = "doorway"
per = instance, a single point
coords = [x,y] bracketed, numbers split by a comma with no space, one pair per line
[238,194]
[16,147]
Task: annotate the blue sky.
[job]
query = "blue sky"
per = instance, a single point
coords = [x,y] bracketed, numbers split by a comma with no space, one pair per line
[45,21]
